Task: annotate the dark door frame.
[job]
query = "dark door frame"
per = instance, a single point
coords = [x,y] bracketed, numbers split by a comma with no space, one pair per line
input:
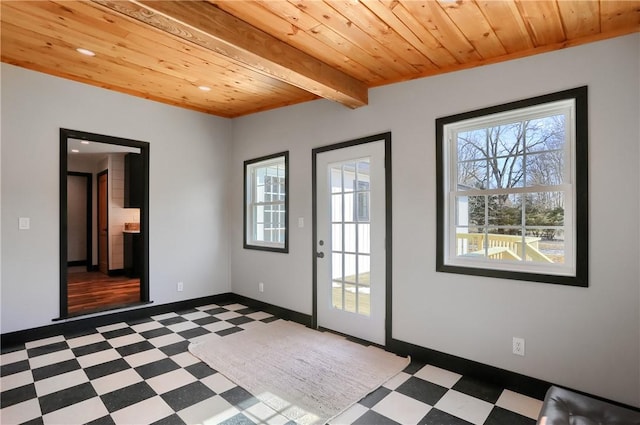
[89,212]
[100,174]
[65,135]
[386,137]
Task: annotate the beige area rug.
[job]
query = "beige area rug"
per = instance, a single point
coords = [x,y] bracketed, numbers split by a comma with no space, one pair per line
[305,375]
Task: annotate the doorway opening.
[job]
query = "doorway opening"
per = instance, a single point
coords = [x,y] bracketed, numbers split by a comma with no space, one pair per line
[104,231]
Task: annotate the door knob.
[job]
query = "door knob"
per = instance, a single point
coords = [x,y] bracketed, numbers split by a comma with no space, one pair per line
[320,254]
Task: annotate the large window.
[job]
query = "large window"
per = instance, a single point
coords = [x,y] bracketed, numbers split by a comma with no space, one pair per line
[512,190]
[266,203]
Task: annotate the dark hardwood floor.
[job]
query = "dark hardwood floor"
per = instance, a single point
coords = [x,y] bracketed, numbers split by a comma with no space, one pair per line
[94,291]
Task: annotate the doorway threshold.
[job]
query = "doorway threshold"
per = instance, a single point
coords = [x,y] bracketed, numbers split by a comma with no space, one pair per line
[93,311]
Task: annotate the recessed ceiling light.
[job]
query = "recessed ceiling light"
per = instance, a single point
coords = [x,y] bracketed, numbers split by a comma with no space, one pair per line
[84,142]
[75,150]
[204,88]
[85,51]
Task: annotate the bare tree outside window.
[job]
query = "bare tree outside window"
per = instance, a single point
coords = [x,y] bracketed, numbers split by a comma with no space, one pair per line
[525,153]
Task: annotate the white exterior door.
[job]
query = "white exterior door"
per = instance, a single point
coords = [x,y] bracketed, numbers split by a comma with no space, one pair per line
[350,240]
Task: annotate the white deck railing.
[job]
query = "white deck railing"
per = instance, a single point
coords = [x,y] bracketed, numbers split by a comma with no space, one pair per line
[499,247]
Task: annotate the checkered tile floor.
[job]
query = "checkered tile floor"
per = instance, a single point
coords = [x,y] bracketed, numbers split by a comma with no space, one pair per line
[142,373]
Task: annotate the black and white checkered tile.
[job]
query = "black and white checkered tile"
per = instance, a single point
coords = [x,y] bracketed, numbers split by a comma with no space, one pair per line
[142,373]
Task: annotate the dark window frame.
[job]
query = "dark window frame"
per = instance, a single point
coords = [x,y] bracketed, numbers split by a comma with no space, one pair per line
[248,225]
[581,204]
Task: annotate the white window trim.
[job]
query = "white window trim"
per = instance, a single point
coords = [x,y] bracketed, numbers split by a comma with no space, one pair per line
[565,107]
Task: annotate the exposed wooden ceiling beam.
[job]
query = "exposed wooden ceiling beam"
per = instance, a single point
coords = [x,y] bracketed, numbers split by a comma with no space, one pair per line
[208,26]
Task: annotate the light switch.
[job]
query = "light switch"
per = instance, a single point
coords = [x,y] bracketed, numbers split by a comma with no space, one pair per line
[24,223]
[300,222]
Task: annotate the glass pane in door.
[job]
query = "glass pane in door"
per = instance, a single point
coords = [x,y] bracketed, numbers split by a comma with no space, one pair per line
[350,244]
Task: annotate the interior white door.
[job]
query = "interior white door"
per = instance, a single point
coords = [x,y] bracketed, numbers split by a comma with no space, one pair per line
[350,251]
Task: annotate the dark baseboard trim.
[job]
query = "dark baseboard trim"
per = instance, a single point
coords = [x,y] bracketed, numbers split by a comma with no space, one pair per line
[79,263]
[283,313]
[116,272]
[102,310]
[353,338]
[78,325]
[513,381]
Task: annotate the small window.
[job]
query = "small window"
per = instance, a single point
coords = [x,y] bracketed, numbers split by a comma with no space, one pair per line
[266,203]
[512,190]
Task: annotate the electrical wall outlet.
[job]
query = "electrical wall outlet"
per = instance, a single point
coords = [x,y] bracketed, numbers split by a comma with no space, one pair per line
[260,287]
[180,286]
[24,223]
[518,346]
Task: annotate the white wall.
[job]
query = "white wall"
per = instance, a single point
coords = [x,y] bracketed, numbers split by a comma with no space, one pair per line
[188,174]
[585,338]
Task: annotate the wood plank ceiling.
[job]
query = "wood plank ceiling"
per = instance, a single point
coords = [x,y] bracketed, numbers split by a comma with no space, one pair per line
[257,55]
